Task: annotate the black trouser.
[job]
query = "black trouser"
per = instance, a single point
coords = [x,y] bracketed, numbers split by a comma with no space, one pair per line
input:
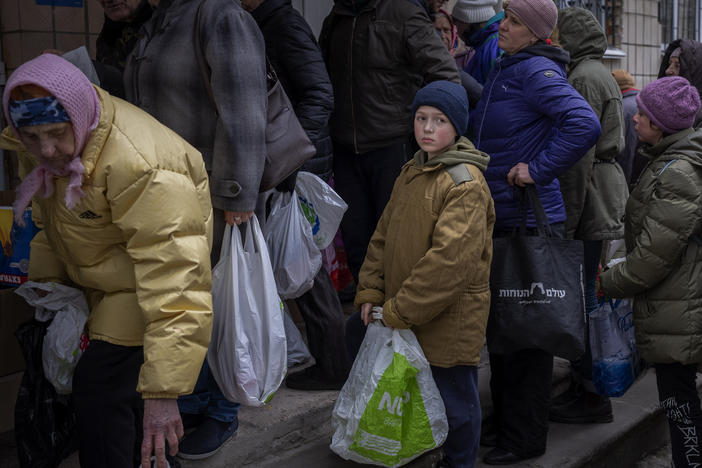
[365,183]
[109,410]
[677,393]
[582,367]
[520,385]
[324,322]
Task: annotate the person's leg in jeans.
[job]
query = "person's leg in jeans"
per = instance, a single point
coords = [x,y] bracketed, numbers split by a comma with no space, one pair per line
[108,407]
[679,399]
[458,387]
[219,422]
[581,404]
[324,322]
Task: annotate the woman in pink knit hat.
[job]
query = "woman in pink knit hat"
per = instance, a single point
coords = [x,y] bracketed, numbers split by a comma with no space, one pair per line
[534,126]
[663,267]
[125,210]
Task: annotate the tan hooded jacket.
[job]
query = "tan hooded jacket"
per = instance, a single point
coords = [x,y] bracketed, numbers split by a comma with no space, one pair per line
[428,262]
[137,243]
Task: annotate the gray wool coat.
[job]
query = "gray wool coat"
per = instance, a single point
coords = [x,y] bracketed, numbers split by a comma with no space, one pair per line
[162,76]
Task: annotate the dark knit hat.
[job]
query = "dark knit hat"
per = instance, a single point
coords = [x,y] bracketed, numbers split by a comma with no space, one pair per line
[540,16]
[450,98]
[671,103]
[624,79]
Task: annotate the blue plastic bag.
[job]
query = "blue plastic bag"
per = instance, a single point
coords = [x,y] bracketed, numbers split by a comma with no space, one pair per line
[615,362]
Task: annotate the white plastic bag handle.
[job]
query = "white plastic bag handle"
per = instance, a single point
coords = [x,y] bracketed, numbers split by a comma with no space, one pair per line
[226,247]
[232,241]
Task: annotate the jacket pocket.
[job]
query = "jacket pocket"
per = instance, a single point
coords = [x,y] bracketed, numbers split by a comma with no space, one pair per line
[384,41]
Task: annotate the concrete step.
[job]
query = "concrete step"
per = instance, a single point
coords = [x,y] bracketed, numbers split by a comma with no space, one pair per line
[296,426]
[294,431]
[638,427]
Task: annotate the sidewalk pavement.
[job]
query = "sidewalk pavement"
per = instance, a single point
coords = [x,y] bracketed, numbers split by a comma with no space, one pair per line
[294,431]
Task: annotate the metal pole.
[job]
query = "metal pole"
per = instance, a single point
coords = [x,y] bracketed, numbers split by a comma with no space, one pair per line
[698,33]
[675,19]
[3,177]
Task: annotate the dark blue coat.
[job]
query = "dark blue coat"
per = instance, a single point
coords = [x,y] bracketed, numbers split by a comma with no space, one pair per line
[484,42]
[530,113]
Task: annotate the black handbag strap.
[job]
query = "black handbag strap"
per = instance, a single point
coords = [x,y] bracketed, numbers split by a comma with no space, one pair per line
[271,76]
[528,196]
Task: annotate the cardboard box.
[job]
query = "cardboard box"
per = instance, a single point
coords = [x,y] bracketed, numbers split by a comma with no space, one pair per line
[14,242]
[9,386]
[14,310]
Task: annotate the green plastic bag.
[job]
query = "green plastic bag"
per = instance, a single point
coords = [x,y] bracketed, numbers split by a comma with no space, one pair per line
[390,410]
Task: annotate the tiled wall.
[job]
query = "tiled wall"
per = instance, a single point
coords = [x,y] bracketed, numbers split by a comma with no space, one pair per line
[27,29]
[641,40]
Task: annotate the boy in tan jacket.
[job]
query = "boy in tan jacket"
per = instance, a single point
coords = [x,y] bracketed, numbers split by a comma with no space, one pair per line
[428,262]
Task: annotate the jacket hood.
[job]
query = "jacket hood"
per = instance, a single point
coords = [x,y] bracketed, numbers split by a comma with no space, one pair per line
[690,61]
[685,145]
[357,6]
[354,6]
[491,27]
[540,49]
[265,9]
[461,152]
[581,35]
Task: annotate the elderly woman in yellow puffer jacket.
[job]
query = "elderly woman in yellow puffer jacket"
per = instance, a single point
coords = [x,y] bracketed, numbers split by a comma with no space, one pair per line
[125,209]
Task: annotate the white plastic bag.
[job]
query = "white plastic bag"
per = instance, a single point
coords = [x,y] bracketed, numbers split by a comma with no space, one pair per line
[247,354]
[62,342]
[390,410]
[294,256]
[298,353]
[321,205]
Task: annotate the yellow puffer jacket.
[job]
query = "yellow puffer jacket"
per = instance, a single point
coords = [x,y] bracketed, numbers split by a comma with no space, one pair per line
[428,262]
[138,243]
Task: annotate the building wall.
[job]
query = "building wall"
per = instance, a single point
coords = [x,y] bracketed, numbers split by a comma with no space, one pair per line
[27,29]
[641,41]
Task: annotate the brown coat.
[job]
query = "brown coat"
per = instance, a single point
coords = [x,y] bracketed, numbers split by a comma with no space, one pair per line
[428,261]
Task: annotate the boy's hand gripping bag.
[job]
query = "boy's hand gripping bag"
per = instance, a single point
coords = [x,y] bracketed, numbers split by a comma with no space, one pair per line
[247,353]
[294,256]
[615,362]
[65,338]
[321,206]
[390,410]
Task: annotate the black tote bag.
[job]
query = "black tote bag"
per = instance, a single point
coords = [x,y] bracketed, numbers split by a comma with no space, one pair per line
[536,282]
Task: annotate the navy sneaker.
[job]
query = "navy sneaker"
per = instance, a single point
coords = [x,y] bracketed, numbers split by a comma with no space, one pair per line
[191,421]
[207,439]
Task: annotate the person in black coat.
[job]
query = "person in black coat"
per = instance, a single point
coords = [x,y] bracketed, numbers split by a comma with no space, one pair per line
[295,56]
[119,33]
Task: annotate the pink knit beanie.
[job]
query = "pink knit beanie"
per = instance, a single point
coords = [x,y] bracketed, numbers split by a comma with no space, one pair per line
[540,16]
[671,103]
[80,100]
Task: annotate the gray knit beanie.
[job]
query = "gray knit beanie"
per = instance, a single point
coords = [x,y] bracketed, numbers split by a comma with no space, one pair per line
[473,11]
